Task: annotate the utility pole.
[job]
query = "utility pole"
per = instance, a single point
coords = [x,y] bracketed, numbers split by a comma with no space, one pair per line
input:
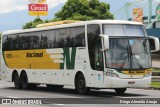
[150,11]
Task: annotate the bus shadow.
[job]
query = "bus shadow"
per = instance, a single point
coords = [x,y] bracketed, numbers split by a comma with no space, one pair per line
[92,93]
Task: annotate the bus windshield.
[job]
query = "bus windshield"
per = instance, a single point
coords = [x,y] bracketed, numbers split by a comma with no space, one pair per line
[128,52]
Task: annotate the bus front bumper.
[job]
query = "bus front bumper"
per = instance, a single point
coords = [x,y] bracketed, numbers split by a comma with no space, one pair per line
[112,82]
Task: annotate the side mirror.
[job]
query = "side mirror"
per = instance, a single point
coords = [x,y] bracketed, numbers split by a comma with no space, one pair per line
[105,41]
[154,43]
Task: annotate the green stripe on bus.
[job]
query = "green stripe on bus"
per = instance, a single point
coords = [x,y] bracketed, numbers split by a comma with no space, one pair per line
[69,58]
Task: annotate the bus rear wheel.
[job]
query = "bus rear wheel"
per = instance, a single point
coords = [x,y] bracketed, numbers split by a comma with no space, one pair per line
[120,90]
[24,81]
[80,85]
[16,81]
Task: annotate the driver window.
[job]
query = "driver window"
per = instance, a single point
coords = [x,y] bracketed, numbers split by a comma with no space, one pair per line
[94,47]
[98,57]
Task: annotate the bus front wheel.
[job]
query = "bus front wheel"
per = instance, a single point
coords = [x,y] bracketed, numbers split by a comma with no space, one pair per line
[120,90]
[81,85]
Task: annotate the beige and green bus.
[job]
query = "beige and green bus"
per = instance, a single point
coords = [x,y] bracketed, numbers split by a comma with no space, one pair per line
[97,54]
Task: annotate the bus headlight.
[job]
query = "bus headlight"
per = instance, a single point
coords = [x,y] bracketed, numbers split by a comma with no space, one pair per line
[110,74]
[148,74]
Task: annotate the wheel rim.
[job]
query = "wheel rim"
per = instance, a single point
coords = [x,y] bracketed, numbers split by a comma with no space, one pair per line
[81,84]
[16,80]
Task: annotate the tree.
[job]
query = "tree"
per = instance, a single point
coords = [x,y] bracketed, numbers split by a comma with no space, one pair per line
[84,10]
[33,24]
[77,10]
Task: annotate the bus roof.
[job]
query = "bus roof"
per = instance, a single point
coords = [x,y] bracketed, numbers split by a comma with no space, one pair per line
[72,25]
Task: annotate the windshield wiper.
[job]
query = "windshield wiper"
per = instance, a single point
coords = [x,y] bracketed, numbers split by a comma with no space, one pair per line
[131,59]
[138,63]
[130,55]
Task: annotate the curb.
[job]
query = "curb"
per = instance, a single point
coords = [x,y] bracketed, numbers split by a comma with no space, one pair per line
[150,88]
[153,88]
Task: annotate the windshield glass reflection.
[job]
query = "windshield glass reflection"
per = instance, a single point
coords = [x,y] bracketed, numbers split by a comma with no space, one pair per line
[127,53]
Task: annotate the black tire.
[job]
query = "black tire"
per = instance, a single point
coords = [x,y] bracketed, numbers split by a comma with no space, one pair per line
[16,81]
[24,81]
[54,86]
[80,85]
[120,90]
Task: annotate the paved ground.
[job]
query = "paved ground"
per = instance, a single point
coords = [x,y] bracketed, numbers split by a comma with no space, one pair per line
[156,64]
[95,98]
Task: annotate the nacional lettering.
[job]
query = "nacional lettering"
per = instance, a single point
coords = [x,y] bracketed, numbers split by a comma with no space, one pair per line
[137,71]
[34,54]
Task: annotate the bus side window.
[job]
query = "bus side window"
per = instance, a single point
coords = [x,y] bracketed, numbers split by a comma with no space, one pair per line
[16,40]
[5,42]
[48,39]
[61,36]
[24,41]
[34,40]
[69,38]
[78,36]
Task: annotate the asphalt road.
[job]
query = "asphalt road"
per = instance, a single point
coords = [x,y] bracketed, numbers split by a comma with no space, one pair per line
[67,97]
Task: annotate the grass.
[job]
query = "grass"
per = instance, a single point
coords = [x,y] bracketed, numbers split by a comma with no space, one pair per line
[155,69]
[155,84]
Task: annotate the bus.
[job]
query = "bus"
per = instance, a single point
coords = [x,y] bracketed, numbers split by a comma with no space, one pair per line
[96,54]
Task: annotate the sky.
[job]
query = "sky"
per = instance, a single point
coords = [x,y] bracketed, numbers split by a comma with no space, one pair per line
[14,13]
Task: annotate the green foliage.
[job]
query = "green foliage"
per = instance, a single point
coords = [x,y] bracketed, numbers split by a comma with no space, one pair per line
[77,10]
[84,10]
[33,24]
[155,69]
[155,84]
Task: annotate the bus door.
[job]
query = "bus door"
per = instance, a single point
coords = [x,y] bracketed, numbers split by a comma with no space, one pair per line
[98,73]
[95,55]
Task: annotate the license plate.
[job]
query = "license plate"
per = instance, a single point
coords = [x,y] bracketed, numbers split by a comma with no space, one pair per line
[131,82]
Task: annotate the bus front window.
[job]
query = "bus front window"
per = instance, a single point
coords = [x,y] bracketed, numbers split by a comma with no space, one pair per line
[127,50]
[128,54]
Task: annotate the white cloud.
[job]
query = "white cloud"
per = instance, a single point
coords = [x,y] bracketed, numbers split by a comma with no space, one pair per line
[7,6]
